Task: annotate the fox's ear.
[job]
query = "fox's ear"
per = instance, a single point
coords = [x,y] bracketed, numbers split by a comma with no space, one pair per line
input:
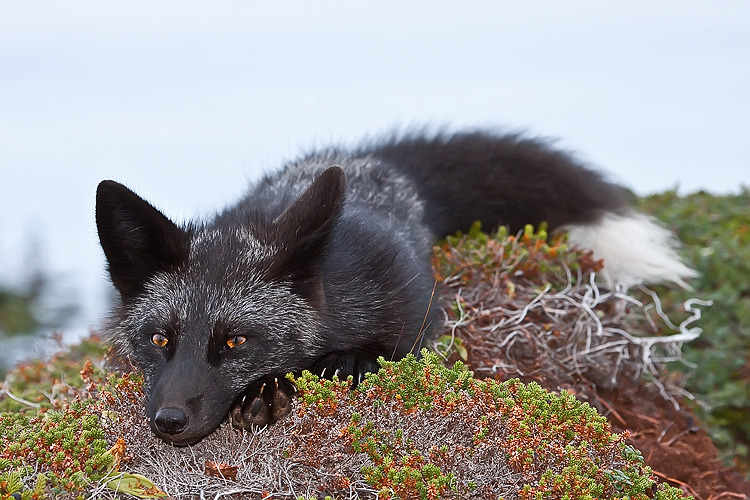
[138,240]
[302,230]
[311,216]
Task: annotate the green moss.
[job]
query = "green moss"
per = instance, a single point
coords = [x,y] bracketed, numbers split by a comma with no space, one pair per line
[52,447]
[533,254]
[61,451]
[561,447]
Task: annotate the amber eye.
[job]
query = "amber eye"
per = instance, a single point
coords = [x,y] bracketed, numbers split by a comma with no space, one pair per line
[236,341]
[159,340]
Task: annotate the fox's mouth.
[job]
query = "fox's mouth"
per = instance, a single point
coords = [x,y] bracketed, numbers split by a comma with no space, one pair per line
[183,437]
[266,401]
[179,427]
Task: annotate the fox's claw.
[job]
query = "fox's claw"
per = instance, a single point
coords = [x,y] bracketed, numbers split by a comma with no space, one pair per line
[344,364]
[265,404]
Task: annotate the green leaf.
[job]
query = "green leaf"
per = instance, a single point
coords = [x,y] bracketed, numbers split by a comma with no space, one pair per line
[136,485]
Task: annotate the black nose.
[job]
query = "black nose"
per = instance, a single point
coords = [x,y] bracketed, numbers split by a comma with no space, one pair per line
[171,420]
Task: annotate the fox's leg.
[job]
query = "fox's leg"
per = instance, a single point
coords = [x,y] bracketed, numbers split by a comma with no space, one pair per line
[342,364]
[265,402]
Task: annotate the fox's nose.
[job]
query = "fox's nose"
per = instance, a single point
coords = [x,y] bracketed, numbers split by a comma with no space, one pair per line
[171,420]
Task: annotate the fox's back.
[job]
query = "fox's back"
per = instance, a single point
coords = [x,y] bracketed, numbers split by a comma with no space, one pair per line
[376,193]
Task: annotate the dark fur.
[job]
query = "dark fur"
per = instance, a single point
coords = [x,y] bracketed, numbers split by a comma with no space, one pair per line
[319,268]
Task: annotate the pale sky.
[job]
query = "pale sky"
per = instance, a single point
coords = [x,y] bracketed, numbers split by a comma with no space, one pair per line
[186,101]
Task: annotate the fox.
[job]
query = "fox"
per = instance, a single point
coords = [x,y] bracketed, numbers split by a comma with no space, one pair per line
[324,265]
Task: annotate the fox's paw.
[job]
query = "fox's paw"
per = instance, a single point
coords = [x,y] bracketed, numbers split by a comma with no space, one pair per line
[264,403]
[343,364]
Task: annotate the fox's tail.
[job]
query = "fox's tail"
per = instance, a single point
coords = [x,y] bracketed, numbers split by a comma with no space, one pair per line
[516,181]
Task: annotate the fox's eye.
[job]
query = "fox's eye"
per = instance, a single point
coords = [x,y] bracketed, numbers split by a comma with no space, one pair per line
[159,340]
[236,341]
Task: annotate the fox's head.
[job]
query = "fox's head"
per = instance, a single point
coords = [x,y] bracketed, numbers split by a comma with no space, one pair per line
[206,310]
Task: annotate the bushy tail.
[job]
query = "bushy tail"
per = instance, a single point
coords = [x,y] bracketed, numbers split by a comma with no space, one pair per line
[635,249]
[514,181]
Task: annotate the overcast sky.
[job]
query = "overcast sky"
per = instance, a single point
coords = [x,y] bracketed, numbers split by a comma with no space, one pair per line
[186,101]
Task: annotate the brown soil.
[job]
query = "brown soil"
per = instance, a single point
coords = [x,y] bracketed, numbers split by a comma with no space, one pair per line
[671,441]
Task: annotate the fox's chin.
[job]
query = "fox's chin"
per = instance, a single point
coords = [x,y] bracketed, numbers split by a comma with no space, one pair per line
[190,435]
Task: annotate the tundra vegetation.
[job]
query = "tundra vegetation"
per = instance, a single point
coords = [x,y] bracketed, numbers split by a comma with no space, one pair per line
[456,423]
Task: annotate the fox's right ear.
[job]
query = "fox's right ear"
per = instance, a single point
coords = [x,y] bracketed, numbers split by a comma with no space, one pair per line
[138,240]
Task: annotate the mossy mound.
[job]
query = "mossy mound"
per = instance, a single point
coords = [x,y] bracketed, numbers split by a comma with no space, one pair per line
[433,432]
[416,429]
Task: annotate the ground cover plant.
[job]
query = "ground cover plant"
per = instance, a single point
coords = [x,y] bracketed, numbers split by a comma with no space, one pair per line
[715,230]
[416,429]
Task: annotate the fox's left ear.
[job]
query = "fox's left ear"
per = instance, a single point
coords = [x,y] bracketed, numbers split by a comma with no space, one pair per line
[302,230]
[137,239]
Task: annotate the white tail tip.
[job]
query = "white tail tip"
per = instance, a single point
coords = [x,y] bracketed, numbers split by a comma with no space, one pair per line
[635,248]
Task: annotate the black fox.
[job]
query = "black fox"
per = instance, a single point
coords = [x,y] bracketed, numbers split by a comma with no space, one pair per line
[324,265]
